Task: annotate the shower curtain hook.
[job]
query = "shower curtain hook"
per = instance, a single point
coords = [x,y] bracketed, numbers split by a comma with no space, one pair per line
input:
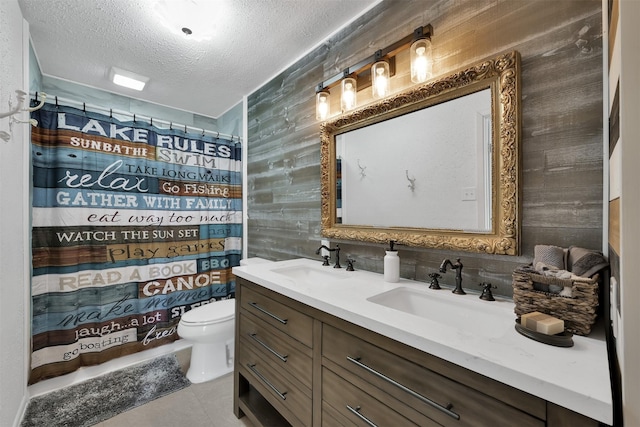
[185,128]
[56,101]
[134,117]
[170,125]
[111,113]
[151,121]
[84,107]
[203,132]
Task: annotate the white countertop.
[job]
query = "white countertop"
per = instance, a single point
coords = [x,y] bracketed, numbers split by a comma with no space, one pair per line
[575,377]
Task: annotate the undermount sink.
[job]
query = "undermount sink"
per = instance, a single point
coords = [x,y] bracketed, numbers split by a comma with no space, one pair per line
[311,275]
[472,317]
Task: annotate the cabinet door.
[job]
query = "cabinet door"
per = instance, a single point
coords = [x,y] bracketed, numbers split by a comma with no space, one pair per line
[437,397]
[557,416]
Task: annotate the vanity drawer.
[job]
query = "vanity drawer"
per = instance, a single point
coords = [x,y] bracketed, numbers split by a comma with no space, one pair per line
[439,398]
[280,316]
[276,348]
[352,406]
[293,403]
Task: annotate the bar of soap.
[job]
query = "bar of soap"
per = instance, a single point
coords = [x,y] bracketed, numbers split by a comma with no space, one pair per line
[542,323]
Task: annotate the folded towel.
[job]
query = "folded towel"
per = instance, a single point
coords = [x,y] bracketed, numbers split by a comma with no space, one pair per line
[585,262]
[566,292]
[549,255]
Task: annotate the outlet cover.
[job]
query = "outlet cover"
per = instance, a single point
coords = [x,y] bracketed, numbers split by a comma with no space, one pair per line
[469,193]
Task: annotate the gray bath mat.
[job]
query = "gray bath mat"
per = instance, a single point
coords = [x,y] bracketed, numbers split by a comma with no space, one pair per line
[101,398]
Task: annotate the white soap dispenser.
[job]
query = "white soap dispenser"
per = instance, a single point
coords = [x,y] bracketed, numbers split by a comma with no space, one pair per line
[391,264]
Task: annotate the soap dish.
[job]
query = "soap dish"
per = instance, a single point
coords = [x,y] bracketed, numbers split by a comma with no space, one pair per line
[564,339]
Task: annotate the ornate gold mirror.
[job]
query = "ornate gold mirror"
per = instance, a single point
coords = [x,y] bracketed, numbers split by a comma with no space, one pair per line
[436,166]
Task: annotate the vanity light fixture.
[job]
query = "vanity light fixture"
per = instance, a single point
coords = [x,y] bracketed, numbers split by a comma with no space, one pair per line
[323,104]
[348,99]
[420,52]
[380,77]
[377,71]
[127,78]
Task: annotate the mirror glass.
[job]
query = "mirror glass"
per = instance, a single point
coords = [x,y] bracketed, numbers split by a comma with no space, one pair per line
[434,166]
[436,169]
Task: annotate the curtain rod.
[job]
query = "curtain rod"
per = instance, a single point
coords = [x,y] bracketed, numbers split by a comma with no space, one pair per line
[170,125]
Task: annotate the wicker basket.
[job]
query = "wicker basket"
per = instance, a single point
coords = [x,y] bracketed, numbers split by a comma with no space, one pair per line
[578,311]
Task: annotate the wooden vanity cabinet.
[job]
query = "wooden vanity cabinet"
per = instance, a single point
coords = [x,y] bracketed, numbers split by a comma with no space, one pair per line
[273,359]
[335,373]
[423,395]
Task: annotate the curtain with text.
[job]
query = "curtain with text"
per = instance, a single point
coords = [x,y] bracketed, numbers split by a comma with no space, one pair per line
[133,226]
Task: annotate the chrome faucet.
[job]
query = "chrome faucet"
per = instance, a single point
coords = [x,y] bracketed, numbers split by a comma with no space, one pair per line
[336,250]
[458,267]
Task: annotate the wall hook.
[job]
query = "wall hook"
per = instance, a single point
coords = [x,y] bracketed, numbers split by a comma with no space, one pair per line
[412,181]
[362,170]
[20,98]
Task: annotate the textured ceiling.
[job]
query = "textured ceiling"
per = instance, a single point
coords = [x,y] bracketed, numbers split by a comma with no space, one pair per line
[253,40]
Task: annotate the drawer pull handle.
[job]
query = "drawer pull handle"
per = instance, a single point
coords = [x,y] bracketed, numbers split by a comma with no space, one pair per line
[446,409]
[283,396]
[257,307]
[263,344]
[356,411]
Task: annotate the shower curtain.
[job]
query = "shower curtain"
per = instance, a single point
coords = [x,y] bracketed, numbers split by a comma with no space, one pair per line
[133,226]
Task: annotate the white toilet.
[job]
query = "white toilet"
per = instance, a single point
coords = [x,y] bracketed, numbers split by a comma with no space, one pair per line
[211,329]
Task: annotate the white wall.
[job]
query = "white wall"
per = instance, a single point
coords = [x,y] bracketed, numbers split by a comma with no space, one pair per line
[14,219]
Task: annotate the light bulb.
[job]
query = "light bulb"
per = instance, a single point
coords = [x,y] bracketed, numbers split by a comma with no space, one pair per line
[380,74]
[322,105]
[348,99]
[420,61]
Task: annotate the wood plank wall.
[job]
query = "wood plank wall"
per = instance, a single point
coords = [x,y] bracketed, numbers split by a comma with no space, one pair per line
[561,47]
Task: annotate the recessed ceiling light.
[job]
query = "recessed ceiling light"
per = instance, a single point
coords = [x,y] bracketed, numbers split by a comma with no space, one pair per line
[127,78]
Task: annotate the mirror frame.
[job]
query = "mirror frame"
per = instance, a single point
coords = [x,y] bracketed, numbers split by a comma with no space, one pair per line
[501,74]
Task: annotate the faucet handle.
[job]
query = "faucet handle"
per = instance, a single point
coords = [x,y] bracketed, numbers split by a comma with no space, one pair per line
[350,262]
[326,260]
[434,281]
[487,295]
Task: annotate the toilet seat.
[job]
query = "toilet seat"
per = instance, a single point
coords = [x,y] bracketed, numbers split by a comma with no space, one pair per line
[215,312]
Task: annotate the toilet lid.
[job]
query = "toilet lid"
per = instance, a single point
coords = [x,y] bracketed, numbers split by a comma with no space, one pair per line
[214,312]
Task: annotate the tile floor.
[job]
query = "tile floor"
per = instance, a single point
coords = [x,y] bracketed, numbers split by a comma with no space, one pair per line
[208,404]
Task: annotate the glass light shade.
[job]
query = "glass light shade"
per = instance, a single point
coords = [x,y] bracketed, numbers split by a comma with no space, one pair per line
[199,16]
[349,89]
[421,62]
[380,76]
[323,105]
